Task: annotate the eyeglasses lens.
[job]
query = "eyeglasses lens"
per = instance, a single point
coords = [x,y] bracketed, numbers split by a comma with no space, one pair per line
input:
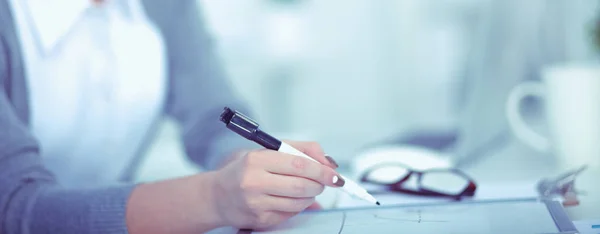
[387,174]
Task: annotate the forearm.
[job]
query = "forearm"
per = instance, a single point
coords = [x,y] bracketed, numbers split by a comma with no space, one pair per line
[184,205]
[36,204]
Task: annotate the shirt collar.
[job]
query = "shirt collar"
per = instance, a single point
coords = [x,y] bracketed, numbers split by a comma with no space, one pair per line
[51,20]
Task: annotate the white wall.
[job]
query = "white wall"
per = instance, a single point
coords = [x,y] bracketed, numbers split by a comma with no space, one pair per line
[341,72]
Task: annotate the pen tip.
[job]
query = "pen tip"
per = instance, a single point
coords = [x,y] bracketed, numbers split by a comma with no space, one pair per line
[377,203]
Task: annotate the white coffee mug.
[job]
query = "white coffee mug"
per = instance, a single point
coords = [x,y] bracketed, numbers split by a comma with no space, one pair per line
[572,111]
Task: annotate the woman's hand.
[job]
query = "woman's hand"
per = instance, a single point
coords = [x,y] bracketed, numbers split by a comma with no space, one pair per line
[266,187]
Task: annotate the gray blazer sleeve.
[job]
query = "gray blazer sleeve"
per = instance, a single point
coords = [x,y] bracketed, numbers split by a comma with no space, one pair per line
[198,88]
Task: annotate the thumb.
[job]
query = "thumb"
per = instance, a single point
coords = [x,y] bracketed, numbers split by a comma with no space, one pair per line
[314,150]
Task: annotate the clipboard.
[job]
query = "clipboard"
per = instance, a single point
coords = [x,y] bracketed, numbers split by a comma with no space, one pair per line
[493,216]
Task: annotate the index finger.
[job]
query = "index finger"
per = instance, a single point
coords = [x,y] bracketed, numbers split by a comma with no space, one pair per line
[291,165]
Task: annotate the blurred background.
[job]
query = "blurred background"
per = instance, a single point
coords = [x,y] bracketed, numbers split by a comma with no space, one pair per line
[356,73]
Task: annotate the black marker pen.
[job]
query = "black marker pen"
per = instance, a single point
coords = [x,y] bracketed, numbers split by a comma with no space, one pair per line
[248,128]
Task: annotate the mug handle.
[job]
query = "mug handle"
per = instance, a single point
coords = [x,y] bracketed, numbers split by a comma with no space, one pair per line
[515,120]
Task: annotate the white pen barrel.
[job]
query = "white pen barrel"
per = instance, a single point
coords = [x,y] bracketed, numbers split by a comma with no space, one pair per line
[288,149]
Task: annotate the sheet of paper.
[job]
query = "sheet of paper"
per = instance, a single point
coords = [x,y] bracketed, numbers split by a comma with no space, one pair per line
[494,217]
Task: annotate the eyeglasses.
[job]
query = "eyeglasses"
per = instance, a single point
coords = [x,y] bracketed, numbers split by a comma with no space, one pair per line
[443,182]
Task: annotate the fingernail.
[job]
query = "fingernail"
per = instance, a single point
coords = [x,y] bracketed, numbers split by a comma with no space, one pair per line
[331,161]
[338,181]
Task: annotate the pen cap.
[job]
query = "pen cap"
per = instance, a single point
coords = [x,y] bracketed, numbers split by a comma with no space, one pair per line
[248,128]
[239,123]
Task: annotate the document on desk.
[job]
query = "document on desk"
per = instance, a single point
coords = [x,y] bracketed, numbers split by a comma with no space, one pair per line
[514,216]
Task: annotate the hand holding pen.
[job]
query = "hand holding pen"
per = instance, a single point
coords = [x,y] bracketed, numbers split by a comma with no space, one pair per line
[249,129]
[264,187]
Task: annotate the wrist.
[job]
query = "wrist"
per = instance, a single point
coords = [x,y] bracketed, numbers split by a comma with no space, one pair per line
[208,193]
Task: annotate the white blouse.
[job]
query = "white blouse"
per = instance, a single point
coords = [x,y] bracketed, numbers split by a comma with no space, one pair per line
[96,79]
